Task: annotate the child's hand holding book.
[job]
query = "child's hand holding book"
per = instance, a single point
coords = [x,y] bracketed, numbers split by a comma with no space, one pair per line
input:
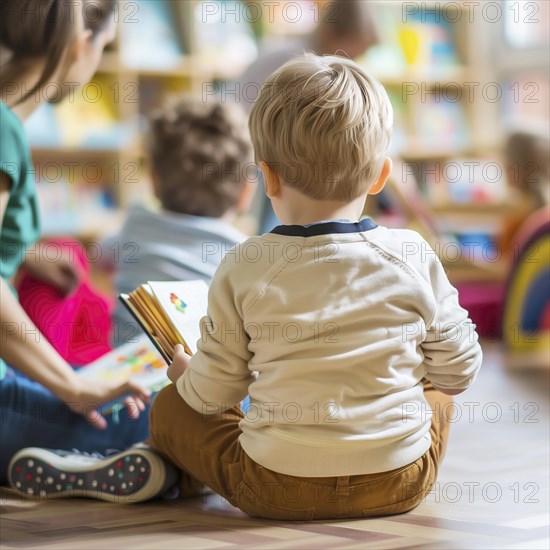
[179,363]
[166,310]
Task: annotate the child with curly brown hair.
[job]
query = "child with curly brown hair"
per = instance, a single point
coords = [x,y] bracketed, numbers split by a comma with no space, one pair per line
[201,159]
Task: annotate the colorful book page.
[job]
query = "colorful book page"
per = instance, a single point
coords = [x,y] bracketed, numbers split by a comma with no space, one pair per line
[185,303]
[139,361]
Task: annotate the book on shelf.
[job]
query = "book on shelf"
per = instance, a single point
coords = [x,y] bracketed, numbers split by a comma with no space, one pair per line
[169,312]
[75,207]
[87,119]
[224,37]
[469,243]
[460,181]
[466,238]
[42,127]
[150,36]
[421,42]
[428,40]
[386,58]
[438,125]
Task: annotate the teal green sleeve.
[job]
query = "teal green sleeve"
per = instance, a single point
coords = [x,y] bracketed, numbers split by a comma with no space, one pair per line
[21,223]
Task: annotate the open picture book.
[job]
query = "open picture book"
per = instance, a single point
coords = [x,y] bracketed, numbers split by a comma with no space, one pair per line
[169,312]
[138,360]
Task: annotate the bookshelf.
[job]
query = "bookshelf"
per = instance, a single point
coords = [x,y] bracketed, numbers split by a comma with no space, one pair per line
[436,69]
[450,182]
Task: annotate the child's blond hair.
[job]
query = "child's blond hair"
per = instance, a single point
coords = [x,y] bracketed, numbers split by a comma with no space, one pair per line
[324,125]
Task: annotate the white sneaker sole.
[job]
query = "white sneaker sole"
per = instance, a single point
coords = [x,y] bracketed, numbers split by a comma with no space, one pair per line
[132,476]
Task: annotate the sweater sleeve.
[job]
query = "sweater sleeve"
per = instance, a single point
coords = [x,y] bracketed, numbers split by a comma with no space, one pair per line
[218,376]
[452,354]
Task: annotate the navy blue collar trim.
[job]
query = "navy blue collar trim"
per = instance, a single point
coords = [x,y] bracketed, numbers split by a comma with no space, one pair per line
[327,228]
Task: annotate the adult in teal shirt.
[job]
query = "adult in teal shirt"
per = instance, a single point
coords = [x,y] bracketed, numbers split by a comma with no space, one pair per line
[21,222]
[42,401]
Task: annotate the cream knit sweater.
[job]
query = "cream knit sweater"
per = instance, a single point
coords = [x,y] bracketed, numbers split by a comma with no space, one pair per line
[330,329]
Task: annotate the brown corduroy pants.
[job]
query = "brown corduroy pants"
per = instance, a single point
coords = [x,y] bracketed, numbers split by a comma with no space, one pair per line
[206,450]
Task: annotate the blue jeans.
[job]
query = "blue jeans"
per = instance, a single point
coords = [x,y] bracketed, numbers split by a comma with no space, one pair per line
[31,416]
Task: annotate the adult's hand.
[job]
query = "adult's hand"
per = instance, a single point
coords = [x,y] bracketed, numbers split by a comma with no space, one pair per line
[87,397]
[60,272]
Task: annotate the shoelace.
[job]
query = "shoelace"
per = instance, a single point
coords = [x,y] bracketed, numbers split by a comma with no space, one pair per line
[84,456]
[88,454]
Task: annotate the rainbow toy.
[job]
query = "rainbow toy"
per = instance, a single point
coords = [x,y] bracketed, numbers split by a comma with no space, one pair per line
[526,319]
[179,304]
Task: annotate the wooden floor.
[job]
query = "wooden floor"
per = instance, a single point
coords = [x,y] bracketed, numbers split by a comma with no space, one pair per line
[492,492]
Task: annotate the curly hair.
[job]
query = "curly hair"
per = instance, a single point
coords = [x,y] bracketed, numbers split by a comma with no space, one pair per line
[200,153]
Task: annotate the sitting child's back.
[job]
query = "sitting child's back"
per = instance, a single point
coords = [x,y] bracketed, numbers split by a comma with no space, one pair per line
[340,319]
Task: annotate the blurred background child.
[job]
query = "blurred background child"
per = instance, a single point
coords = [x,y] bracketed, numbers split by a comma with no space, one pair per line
[201,158]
